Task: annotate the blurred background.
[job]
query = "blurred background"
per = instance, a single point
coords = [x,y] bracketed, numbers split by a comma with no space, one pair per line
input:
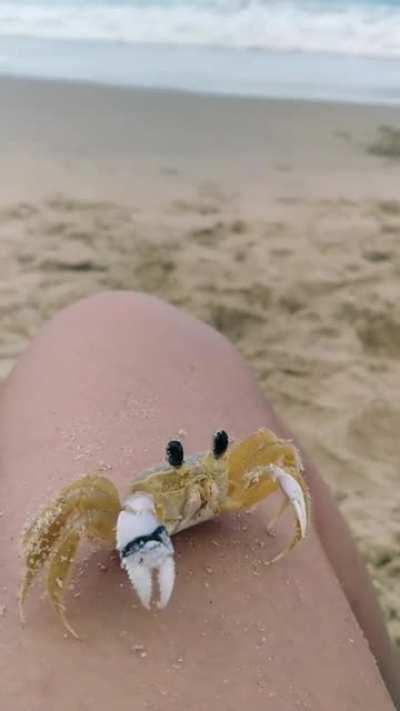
[241,159]
[323,49]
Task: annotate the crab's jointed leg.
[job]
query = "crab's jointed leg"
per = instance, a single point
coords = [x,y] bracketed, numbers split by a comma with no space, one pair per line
[295,496]
[261,465]
[60,563]
[274,520]
[88,506]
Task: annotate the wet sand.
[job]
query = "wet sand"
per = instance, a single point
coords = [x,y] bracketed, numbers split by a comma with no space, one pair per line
[271,220]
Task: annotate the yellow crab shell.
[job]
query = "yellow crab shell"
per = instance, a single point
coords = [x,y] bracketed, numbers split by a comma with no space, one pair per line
[234,475]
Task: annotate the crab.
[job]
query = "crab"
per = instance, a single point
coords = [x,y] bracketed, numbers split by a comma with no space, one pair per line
[161,502]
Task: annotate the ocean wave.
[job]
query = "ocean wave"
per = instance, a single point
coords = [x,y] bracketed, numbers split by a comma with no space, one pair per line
[358,27]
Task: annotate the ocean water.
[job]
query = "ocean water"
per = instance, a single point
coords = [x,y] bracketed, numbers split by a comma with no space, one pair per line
[348,49]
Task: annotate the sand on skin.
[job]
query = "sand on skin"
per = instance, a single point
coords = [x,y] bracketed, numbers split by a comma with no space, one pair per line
[297,262]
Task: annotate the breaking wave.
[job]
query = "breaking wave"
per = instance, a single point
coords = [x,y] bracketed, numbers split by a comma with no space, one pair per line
[355,27]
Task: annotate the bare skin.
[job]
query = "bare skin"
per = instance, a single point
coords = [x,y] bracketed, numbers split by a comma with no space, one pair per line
[106,384]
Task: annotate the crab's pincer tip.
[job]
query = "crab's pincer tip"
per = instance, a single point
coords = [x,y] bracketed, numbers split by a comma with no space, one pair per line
[166,581]
[295,495]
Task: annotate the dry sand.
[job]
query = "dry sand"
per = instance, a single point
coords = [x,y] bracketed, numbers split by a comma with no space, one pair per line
[269,220]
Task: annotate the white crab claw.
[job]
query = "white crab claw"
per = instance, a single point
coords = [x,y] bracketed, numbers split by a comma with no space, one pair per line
[144,547]
[166,580]
[292,489]
[142,581]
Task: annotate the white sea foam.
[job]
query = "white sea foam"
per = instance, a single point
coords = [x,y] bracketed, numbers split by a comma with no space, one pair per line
[355,27]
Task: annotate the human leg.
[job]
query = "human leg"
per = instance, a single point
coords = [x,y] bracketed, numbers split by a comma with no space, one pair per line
[106,384]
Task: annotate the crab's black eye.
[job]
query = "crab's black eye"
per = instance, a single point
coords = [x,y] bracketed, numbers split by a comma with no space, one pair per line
[175,453]
[220,443]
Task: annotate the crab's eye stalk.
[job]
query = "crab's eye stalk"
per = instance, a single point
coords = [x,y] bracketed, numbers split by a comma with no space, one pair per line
[220,444]
[175,453]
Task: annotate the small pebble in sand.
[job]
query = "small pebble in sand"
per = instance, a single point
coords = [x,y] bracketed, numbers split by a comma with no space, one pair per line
[178,663]
[139,650]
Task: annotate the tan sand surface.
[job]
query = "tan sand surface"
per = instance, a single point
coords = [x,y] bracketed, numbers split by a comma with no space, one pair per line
[269,220]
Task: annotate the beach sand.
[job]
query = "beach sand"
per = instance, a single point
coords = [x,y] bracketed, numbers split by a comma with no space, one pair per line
[271,220]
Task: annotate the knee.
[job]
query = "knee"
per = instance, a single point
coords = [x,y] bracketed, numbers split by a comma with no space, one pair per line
[124,329]
[113,308]
[135,321]
[136,311]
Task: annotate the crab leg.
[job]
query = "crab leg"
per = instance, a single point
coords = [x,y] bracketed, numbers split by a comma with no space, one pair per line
[274,520]
[89,505]
[294,492]
[295,496]
[60,564]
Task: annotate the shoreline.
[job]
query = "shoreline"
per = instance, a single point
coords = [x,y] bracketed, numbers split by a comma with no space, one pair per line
[267,74]
[171,91]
